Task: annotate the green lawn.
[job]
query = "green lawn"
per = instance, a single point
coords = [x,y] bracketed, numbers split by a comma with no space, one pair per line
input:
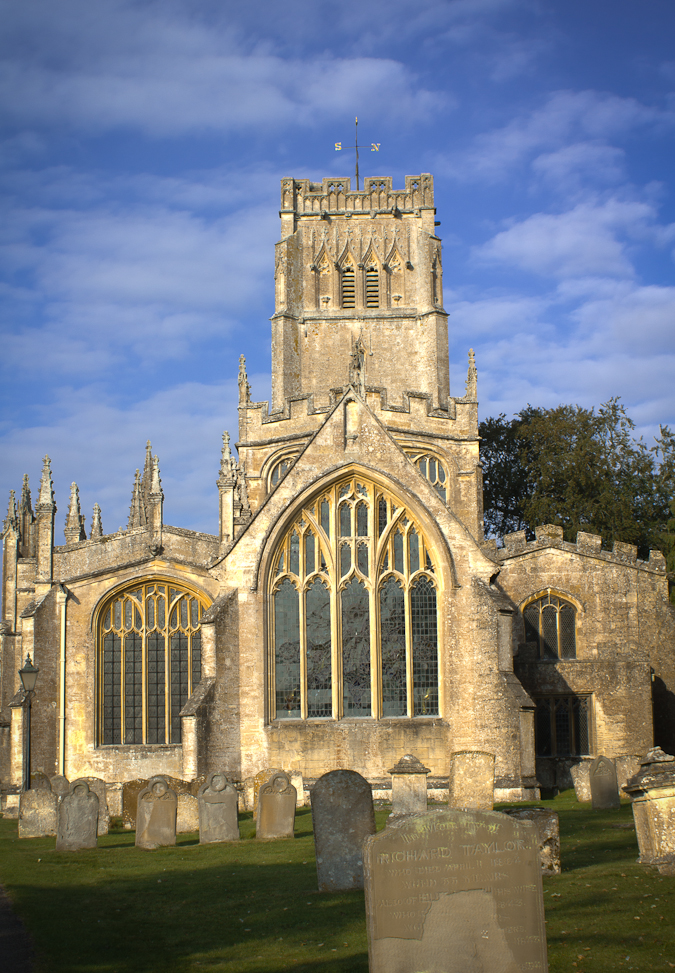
[254,907]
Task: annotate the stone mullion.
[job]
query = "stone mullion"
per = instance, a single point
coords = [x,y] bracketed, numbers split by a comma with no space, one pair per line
[302,606]
[410,709]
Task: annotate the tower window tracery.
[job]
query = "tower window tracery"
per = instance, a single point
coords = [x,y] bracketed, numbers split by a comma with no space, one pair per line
[149,639]
[353,600]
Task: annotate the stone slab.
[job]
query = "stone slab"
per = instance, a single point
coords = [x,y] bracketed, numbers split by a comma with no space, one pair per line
[408,786]
[113,797]
[60,785]
[37,813]
[78,818]
[187,818]
[276,808]
[218,810]
[547,826]
[342,817]
[455,892]
[98,787]
[471,780]
[652,792]
[156,812]
[581,781]
[604,786]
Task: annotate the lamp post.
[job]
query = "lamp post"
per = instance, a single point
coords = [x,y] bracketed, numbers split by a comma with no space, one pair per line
[28,674]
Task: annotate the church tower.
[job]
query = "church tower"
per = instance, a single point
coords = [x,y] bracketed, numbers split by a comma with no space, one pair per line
[359,266]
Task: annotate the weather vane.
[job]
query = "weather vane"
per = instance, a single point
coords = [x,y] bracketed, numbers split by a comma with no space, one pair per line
[374,147]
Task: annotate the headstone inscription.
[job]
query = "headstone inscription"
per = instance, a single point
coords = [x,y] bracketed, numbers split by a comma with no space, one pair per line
[342,816]
[98,787]
[37,813]
[408,786]
[455,892]
[604,787]
[276,808]
[218,807]
[78,818]
[156,815]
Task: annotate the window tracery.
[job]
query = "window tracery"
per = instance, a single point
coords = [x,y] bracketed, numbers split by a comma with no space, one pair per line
[149,650]
[354,610]
[431,469]
[550,622]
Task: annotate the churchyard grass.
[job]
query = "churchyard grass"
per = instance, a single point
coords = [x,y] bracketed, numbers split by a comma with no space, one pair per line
[253,906]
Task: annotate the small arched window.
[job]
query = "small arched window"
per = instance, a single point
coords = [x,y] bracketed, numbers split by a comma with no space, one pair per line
[280,469]
[550,622]
[432,470]
[372,286]
[348,284]
[150,661]
[354,610]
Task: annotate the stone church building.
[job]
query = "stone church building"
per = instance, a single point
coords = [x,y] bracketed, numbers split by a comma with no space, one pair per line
[350,609]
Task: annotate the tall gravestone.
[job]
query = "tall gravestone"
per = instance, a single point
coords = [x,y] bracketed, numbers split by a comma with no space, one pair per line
[97,785]
[276,808]
[581,780]
[156,815]
[78,818]
[37,813]
[342,817]
[455,892]
[604,786]
[218,810]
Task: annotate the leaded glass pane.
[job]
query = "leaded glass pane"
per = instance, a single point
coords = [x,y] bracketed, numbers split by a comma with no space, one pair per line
[179,681]
[542,728]
[549,627]
[118,614]
[325,517]
[294,559]
[423,619]
[183,613]
[138,624]
[581,726]
[356,649]
[345,520]
[392,641]
[414,544]
[319,694]
[161,612]
[127,614]
[156,688]
[562,727]
[432,469]
[422,463]
[309,553]
[345,559]
[280,569]
[362,559]
[531,618]
[133,688]
[112,688]
[194,613]
[196,660]
[287,651]
[150,612]
[362,520]
[398,551]
[381,515]
[566,617]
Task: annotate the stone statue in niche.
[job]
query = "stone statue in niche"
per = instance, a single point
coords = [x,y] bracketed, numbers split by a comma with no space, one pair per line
[357,367]
[156,815]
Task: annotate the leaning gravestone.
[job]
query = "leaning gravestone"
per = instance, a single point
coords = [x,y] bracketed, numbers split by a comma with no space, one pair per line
[37,813]
[98,787]
[276,808]
[78,818]
[60,785]
[547,826]
[342,817]
[156,815]
[455,892]
[218,818]
[581,780]
[604,787]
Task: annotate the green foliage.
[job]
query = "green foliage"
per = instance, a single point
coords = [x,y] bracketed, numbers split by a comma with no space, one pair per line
[581,469]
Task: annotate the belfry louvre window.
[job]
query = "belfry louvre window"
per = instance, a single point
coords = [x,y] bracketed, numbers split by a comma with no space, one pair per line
[551,623]
[372,287]
[353,601]
[348,283]
[561,726]
[149,662]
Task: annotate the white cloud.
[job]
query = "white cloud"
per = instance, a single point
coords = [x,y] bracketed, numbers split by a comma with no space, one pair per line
[580,165]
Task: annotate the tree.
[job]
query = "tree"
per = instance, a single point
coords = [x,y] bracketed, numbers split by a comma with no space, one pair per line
[581,469]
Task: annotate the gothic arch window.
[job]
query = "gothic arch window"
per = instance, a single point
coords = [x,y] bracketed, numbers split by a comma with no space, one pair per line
[353,603]
[550,622]
[431,469]
[279,469]
[562,725]
[149,652]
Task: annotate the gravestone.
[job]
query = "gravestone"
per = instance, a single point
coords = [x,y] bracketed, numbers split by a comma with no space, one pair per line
[408,786]
[78,818]
[37,813]
[455,892]
[60,785]
[627,766]
[113,798]
[652,792]
[218,806]
[276,808]
[342,816]
[98,787]
[582,781]
[130,791]
[156,815]
[187,816]
[547,826]
[39,781]
[604,787]
[471,783]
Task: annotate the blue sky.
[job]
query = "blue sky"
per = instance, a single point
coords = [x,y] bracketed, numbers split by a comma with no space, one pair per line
[142,147]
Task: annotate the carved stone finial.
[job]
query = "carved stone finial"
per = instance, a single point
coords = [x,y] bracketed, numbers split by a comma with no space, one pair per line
[155,483]
[137,511]
[25,494]
[244,387]
[74,529]
[96,525]
[472,377]
[228,465]
[11,520]
[46,497]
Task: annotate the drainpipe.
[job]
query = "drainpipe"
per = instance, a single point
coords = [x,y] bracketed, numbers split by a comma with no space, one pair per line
[62,599]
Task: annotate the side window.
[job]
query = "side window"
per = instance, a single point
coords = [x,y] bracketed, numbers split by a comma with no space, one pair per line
[550,622]
[561,726]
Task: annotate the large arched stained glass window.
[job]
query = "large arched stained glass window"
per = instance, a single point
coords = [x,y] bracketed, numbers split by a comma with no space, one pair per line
[149,640]
[354,610]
